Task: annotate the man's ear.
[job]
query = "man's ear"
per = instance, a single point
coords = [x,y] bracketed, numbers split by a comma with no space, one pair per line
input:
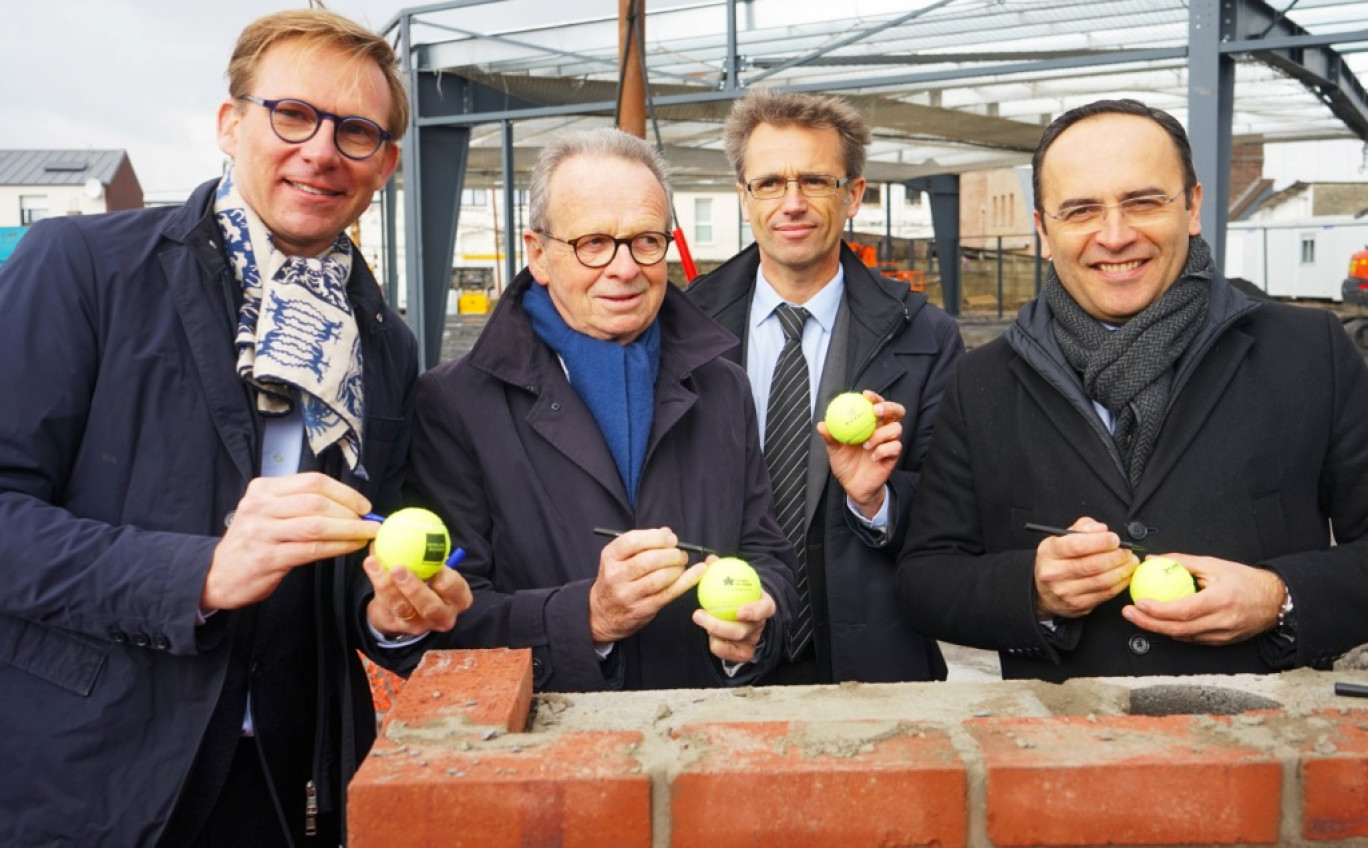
[1195,211]
[229,117]
[536,257]
[741,197]
[1040,231]
[855,190]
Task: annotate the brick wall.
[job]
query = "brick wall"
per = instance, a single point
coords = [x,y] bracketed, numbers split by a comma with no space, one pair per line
[468,757]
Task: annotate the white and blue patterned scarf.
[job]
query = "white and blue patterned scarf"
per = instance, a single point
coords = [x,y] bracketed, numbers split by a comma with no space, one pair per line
[296,332]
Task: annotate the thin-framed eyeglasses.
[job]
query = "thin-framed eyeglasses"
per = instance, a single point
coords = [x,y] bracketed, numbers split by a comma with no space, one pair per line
[596,250]
[295,122]
[809,185]
[1137,211]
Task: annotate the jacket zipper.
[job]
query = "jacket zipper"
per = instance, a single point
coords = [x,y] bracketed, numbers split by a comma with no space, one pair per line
[883,341]
[310,809]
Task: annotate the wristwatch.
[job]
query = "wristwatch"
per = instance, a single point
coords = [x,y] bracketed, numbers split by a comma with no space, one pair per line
[1287,618]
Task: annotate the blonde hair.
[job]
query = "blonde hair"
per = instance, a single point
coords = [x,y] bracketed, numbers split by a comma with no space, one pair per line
[314,29]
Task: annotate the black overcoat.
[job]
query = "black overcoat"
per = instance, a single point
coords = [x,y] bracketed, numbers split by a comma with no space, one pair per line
[1263,452]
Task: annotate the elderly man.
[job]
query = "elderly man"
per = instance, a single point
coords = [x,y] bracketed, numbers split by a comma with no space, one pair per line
[1142,399]
[596,397]
[204,401]
[799,162]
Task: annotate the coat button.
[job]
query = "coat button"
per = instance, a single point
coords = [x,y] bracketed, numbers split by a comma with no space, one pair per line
[141,640]
[1139,645]
[117,636]
[555,406]
[1137,530]
[228,518]
[160,642]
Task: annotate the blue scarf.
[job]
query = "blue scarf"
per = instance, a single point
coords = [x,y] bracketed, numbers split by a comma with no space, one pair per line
[616,381]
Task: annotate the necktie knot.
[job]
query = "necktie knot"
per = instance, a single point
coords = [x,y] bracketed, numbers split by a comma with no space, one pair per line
[792,319]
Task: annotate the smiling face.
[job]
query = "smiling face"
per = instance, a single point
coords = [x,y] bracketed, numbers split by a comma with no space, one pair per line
[799,237]
[612,196]
[1119,270]
[307,193]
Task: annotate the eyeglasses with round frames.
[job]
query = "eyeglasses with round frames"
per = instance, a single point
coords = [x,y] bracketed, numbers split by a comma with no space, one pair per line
[809,185]
[295,122]
[597,250]
[1137,211]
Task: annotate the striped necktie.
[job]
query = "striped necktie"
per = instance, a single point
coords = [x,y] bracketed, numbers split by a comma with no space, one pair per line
[788,426]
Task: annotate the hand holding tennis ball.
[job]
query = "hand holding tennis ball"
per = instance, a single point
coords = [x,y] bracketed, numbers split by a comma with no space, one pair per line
[415,539]
[1161,579]
[850,418]
[728,583]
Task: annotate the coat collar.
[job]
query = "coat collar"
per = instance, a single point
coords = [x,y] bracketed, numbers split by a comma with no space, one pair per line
[688,339]
[1207,367]
[510,351]
[206,298]
[876,304]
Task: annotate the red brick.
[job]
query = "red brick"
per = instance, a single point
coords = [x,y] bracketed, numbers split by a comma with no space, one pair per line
[1125,780]
[1334,778]
[580,790]
[833,783]
[480,689]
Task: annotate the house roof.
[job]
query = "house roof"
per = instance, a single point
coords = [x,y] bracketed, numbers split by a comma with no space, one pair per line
[58,167]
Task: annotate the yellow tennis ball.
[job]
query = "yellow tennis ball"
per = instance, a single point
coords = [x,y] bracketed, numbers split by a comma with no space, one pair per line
[1161,579]
[415,539]
[850,418]
[727,584]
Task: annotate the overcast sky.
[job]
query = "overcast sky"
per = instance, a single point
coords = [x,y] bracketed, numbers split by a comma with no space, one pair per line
[147,76]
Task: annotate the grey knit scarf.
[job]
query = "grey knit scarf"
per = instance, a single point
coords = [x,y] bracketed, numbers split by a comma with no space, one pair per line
[1129,370]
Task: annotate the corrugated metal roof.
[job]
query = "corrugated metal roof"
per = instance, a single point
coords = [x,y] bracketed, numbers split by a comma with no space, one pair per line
[58,167]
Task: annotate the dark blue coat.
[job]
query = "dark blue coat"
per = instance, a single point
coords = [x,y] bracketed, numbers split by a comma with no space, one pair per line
[905,350]
[507,453]
[126,443]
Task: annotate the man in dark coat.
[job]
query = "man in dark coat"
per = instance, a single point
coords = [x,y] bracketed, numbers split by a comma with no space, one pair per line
[596,397]
[179,628]
[1143,399]
[799,161]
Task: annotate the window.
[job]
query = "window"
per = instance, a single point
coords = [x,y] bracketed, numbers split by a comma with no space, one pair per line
[1308,250]
[703,220]
[474,197]
[32,207]
[873,195]
[912,197]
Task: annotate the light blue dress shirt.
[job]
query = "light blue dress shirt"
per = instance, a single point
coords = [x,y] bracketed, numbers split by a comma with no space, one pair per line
[765,340]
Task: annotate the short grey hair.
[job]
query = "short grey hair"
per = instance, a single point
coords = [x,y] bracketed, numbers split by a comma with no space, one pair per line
[602,143]
[795,109]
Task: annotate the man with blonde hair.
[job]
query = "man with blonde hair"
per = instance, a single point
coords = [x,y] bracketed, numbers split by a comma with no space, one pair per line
[205,401]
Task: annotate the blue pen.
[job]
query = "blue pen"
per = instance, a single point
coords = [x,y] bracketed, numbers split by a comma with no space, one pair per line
[370,516]
[455,558]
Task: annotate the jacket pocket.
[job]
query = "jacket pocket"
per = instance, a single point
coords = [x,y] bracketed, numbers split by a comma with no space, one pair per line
[50,655]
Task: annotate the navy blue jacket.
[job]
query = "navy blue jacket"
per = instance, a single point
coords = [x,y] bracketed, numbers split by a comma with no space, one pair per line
[904,349]
[127,441]
[507,453]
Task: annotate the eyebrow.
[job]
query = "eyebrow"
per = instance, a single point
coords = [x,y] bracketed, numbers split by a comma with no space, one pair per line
[1147,191]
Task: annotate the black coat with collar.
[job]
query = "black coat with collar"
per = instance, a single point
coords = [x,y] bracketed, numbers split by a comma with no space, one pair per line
[509,455]
[1263,452]
[905,349]
[127,442]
